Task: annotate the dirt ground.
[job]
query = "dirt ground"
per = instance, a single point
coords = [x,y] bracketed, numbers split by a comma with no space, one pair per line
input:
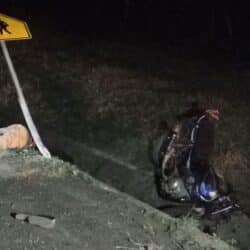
[89,214]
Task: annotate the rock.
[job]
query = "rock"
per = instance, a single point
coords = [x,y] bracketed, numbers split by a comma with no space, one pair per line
[15,136]
[43,221]
[20,216]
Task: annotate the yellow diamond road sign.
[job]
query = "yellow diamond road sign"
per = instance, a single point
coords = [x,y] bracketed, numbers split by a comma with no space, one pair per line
[13,29]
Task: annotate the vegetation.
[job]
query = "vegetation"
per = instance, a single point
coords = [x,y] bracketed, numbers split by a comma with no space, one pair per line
[112,96]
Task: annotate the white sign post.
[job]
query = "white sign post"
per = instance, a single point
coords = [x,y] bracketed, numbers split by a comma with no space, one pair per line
[13,29]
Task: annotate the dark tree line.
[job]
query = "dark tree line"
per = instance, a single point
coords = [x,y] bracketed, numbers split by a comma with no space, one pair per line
[219,23]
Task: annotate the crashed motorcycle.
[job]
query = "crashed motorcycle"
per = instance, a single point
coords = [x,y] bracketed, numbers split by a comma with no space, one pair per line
[182,170]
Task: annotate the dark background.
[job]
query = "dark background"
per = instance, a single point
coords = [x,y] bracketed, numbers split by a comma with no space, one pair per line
[219,27]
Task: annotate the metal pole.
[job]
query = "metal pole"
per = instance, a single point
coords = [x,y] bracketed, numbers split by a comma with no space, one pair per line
[24,107]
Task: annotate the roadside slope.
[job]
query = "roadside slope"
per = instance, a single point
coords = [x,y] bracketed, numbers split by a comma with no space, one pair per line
[89,214]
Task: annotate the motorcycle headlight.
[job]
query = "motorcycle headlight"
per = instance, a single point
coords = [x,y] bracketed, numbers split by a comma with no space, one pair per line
[207,192]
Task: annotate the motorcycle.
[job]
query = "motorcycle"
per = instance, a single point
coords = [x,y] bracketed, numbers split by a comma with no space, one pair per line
[182,171]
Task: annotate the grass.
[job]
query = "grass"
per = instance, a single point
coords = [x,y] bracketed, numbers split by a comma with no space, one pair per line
[29,163]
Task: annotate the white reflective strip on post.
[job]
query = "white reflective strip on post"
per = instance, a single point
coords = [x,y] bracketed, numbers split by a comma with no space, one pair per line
[24,107]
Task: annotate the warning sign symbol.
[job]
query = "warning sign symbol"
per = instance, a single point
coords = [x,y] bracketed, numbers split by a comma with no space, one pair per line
[13,29]
[4,27]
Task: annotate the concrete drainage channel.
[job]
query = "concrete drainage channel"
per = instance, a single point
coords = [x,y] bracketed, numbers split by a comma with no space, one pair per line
[136,182]
[123,176]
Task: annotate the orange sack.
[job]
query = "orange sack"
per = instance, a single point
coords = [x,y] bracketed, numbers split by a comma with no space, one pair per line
[15,136]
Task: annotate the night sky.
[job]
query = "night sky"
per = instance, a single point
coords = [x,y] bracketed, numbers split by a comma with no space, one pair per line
[217,25]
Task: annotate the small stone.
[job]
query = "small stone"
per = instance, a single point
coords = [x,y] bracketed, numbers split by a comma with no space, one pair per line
[75,172]
[42,221]
[47,222]
[19,216]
